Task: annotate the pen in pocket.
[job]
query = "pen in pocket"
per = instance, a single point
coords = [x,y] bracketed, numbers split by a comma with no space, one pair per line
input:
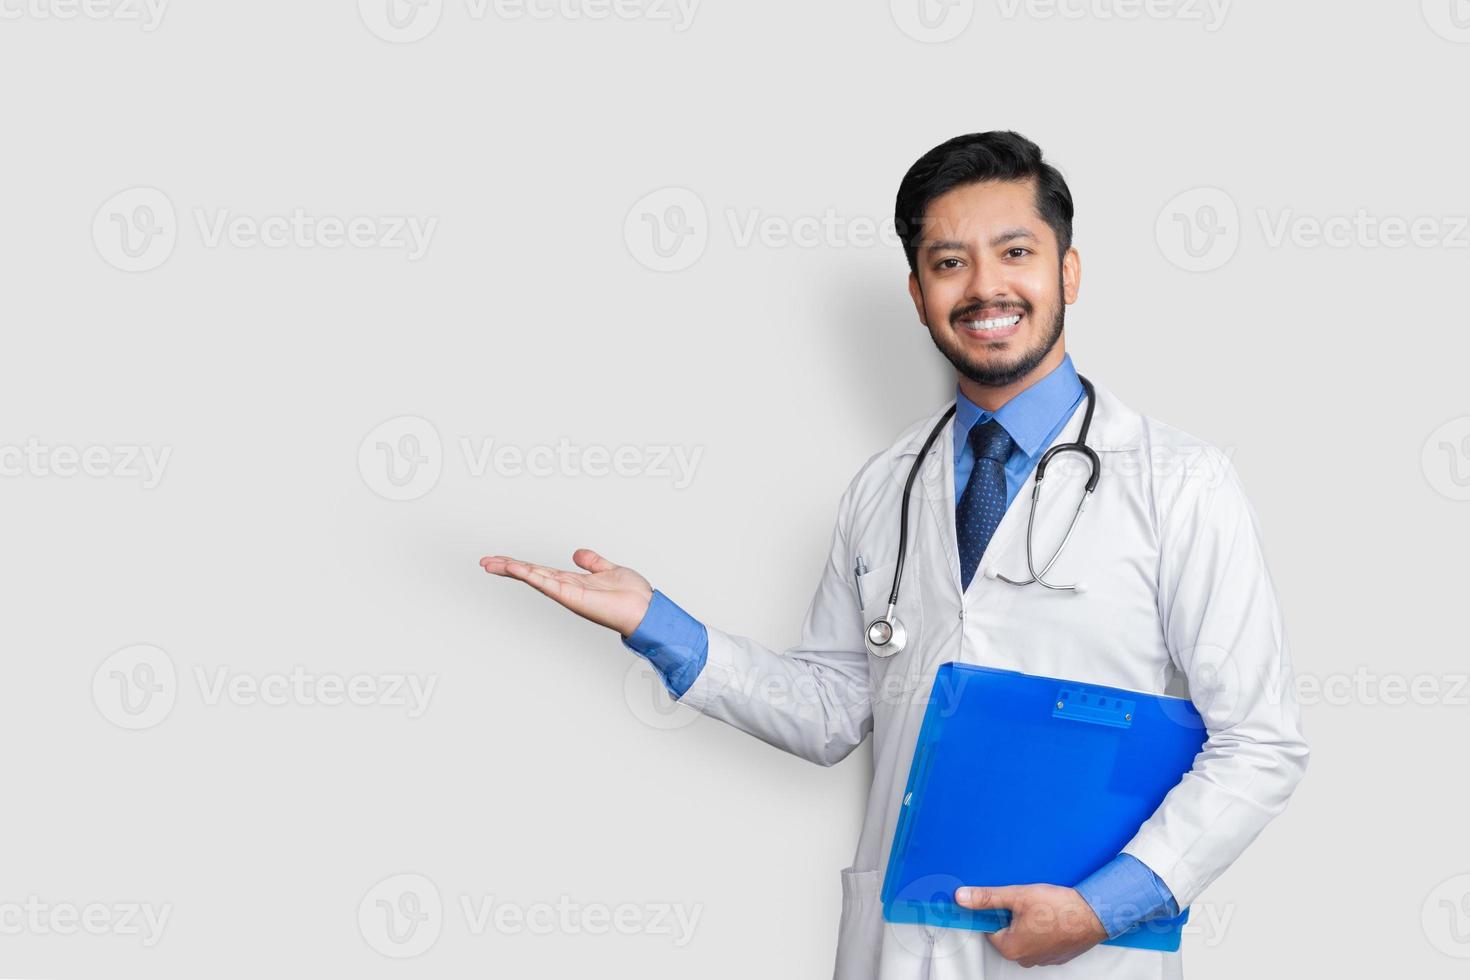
[858,572]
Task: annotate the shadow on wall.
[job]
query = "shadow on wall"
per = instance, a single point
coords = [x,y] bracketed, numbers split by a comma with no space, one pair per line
[891,373]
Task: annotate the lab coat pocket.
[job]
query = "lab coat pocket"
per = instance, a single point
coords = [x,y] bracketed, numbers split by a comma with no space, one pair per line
[860,931]
[892,676]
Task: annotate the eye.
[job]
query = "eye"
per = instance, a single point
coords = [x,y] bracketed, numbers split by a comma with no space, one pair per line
[943,263]
[1017,252]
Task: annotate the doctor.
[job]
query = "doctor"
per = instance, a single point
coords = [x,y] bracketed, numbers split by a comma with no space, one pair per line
[1177,597]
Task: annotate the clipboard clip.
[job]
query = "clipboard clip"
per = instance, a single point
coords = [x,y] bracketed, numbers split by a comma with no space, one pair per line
[1080,704]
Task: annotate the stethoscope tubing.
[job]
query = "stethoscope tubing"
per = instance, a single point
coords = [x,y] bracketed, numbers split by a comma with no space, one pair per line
[888,624]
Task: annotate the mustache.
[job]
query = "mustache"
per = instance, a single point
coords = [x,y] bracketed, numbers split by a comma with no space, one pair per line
[974,311]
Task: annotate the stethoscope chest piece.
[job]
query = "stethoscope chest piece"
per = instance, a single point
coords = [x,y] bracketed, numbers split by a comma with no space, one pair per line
[885,636]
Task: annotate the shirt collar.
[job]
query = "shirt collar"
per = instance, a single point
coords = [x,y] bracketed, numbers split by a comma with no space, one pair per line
[1030,416]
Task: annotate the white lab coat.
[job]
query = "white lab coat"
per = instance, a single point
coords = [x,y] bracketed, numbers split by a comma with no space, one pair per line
[1178,601]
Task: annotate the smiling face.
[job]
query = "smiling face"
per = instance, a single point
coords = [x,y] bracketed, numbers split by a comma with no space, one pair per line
[991,289]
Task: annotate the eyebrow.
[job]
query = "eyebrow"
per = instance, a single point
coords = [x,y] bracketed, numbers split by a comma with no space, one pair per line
[1009,235]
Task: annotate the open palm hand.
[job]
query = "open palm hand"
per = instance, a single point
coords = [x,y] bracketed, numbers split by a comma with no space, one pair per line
[607,594]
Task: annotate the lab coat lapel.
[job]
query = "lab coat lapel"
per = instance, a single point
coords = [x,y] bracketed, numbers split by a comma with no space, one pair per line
[937,475]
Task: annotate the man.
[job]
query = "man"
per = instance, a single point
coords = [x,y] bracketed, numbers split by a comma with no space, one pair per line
[1177,591]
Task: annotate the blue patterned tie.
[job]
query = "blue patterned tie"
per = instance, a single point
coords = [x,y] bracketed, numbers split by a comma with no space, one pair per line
[983,504]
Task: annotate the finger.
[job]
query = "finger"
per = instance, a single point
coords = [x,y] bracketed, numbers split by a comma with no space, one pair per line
[987,898]
[513,567]
[592,561]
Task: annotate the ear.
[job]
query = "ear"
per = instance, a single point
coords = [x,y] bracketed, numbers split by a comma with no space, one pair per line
[1071,276]
[917,295]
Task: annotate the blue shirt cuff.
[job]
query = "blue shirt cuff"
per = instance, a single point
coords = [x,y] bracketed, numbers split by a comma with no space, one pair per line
[1124,892]
[673,641]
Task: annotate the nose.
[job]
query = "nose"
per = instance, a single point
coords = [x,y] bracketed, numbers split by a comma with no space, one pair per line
[988,281]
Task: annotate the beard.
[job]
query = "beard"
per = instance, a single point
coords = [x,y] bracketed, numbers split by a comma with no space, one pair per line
[994,374]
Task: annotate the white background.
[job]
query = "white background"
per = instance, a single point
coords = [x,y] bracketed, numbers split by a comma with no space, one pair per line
[543,769]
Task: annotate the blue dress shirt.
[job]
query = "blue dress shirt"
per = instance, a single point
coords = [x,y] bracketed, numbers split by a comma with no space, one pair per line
[1122,892]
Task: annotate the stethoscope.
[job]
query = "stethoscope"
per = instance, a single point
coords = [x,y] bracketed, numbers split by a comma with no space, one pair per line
[886,635]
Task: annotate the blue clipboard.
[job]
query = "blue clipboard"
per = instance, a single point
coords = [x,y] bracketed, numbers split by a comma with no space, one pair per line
[1020,779]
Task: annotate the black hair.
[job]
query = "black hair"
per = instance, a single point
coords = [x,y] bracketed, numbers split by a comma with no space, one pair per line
[996,155]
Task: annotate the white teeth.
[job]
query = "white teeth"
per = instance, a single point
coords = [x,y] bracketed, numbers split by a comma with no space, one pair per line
[996,324]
